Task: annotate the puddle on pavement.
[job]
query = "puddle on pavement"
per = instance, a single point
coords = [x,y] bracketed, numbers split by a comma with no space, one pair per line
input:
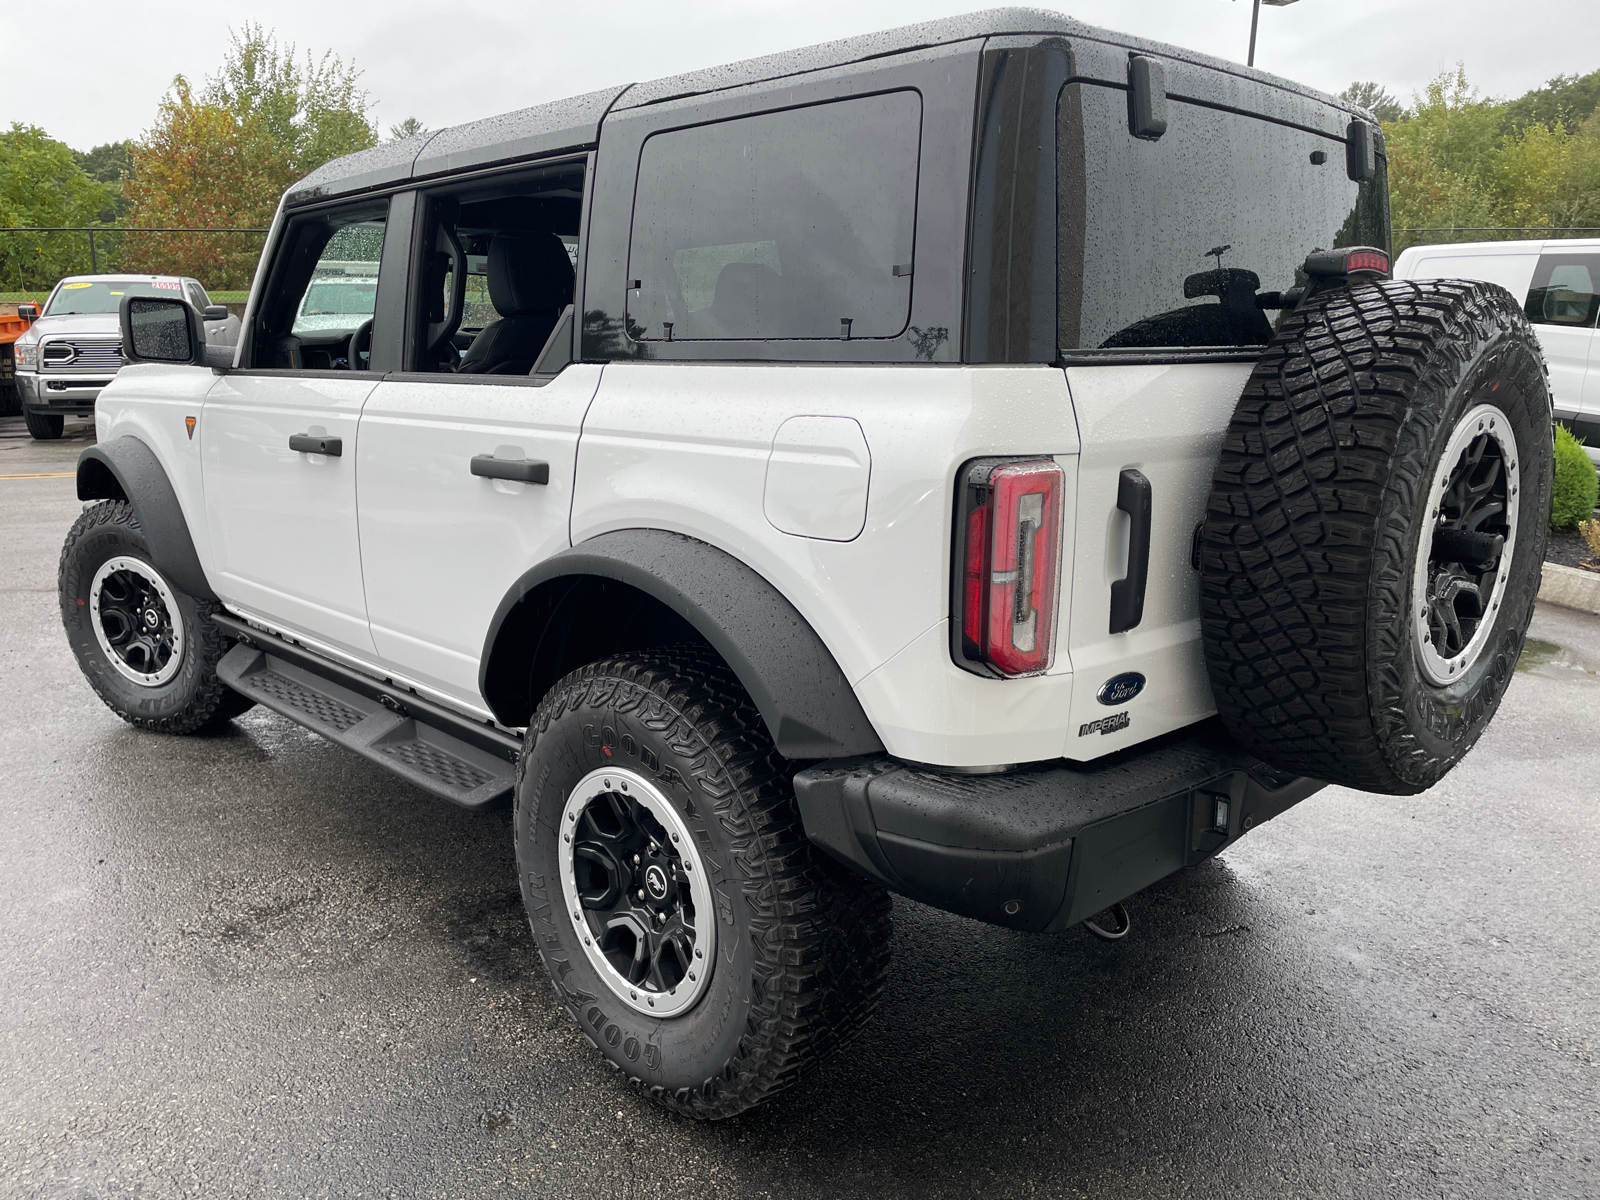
[1550,661]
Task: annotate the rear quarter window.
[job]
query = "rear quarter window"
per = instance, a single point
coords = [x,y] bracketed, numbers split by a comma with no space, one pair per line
[785,225]
[1165,244]
[1565,291]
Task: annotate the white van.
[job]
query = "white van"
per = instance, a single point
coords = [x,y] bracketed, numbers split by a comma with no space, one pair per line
[1558,283]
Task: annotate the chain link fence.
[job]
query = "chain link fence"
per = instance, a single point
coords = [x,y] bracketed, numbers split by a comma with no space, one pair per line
[34,257]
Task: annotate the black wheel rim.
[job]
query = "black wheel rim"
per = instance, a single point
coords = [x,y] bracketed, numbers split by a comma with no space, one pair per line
[1464,560]
[135,622]
[637,891]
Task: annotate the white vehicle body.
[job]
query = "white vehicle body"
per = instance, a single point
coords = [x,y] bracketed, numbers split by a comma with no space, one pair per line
[834,481]
[1557,281]
[870,468]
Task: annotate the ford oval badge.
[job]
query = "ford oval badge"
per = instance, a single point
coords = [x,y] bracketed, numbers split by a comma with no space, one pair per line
[1121,689]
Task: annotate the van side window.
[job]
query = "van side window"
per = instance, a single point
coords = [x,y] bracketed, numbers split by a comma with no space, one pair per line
[316,312]
[1564,291]
[1166,243]
[494,274]
[792,224]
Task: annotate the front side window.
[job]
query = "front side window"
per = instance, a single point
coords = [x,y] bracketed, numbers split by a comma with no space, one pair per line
[1564,291]
[316,313]
[1167,244]
[793,224]
[496,273]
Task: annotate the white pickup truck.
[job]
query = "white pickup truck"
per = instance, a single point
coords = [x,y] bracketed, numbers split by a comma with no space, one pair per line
[74,348]
[985,461]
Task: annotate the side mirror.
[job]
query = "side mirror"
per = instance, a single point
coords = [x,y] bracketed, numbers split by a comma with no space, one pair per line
[217,312]
[158,329]
[28,312]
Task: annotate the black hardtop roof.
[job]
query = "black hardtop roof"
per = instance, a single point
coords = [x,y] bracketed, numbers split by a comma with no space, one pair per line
[574,123]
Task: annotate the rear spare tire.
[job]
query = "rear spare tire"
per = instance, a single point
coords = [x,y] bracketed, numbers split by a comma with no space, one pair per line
[1375,532]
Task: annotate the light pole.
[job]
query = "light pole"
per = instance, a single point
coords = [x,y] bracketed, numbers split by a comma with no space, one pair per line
[1255,18]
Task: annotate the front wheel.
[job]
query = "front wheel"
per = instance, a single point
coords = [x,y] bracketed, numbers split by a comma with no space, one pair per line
[701,943]
[148,649]
[43,427]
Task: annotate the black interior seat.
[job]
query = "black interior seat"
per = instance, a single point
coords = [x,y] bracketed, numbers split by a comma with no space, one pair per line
[530,283]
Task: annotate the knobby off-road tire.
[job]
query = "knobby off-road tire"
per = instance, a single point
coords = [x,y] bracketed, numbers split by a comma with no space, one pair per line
[1325,655]
[800,947]
[107,543]
[43,427]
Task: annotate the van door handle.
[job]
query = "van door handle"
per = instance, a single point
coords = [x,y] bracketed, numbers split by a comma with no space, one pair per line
[518,470]
[1127,594]
[316,443]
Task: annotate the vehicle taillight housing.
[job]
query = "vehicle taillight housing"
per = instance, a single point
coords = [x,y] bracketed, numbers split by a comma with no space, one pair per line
[1007,566]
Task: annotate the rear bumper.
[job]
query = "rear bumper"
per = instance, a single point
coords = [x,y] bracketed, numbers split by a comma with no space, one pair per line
[1040,850]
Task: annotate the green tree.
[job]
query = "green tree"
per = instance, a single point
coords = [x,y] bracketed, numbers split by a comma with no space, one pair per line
[410,127]
[1375,99]
[41,183]
[1442,159]
[223,156]
[1566,99]
[109,164]
[314,110]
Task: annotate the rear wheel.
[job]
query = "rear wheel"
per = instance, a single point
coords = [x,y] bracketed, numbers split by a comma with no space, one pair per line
[701,943]
[148,649]
[1374,538]
[44,427]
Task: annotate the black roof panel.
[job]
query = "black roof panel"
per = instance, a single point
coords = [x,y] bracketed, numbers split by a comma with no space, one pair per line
[575,122]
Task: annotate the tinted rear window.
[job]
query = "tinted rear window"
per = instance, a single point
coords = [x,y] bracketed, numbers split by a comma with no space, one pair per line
[1166,244]
[779,226]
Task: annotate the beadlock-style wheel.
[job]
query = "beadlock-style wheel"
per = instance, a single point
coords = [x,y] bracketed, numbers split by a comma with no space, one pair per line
[132,611]
[637,892]
[1460,579]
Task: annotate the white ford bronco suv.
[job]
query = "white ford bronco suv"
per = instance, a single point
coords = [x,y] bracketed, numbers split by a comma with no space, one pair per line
[984,461]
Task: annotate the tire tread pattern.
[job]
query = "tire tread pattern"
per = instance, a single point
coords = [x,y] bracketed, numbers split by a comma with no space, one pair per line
[1304,579]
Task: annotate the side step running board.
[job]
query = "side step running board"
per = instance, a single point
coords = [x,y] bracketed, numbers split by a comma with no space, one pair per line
[417,740]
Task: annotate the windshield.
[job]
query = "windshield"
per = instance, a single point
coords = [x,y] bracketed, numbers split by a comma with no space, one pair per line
[104,296]
[355,298]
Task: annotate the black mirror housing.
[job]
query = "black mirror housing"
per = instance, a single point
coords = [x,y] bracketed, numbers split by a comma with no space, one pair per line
[28,312]
[216,312]
[161,329]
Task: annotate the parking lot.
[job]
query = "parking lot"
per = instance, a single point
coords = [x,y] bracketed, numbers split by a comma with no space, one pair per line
[256,965]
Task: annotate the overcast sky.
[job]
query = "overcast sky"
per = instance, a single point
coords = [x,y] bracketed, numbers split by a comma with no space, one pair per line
[89,71]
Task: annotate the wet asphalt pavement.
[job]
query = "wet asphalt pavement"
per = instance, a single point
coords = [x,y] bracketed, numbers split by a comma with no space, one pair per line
[256,965]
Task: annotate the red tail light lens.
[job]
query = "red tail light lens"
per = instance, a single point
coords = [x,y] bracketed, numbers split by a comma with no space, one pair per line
[1367,260]
[1008,532]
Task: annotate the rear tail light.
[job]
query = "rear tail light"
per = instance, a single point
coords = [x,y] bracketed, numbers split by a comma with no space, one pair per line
[1007,566]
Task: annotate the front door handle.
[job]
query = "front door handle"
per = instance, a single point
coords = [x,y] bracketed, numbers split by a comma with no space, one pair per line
[316,443]
[518,470]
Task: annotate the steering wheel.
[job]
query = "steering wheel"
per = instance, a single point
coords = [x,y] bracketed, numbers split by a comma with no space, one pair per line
[361,340]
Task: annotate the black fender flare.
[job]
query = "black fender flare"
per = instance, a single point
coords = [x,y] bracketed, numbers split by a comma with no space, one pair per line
[808,705]
[125,468]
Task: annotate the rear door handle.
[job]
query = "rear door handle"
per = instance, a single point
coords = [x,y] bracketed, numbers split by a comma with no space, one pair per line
[518,470]
[1127,593]
[315,443]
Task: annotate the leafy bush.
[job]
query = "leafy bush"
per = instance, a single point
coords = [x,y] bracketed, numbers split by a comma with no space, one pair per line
[1577,487]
